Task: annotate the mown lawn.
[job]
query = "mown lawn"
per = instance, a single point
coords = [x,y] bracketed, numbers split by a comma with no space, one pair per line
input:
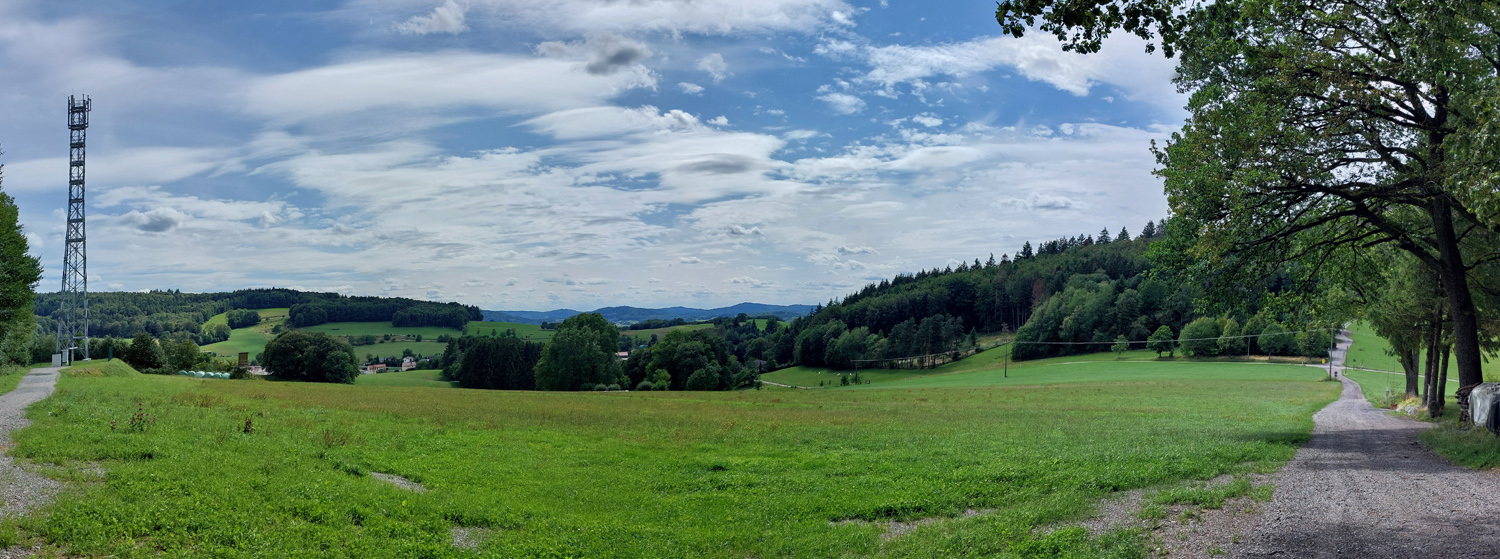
[785,473]
[248,340]
[1368,351]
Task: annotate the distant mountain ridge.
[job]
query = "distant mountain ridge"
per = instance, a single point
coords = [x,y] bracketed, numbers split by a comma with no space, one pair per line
[628,315]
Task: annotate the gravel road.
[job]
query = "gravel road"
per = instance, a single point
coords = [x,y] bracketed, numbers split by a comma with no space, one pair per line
[21,490]
[1363,487]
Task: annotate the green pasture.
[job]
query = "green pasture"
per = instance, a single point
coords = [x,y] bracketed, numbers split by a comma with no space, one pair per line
[643,336]
[1368,351]
[1375,383]
[394,349]
[531,332]
[380,329]
[281,469]
[249,340]
[420,378]
[266,315]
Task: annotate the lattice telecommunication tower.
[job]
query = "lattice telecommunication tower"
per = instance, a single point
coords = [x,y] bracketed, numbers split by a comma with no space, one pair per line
[73,328]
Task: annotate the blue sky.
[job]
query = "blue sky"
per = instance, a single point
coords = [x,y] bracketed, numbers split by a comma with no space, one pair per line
[536,154]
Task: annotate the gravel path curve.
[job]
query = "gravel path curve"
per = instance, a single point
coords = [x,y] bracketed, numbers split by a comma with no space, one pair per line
[1364,487]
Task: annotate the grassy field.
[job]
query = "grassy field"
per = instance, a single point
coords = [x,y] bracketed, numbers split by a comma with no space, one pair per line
[427,379]
[785,473]
[524,331]
[389,349]
[251,340]
[247,340]
[643,336]
[1368,351]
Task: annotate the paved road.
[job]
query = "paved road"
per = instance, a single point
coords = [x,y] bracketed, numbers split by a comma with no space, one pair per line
[1363,487]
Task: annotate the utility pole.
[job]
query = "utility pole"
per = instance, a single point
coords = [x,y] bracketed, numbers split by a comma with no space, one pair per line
[73,328]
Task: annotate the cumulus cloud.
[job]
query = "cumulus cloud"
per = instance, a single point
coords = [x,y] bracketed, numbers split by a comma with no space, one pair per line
[447,18]
[856,250]
[710,17]
[690,88]
[715,66]
[843,103]
[159,220]
[689,259]
[742,230]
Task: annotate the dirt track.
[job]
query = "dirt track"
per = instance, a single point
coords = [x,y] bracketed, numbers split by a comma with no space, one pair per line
[1363,487]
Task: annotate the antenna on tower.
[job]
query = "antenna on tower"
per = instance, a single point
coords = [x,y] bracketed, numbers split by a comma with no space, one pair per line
[73,328]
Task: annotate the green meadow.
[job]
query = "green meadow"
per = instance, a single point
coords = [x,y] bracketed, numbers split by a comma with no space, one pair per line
[417,378]
[257,468]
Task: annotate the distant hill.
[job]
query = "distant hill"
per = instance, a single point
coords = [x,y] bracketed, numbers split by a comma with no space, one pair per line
[630,315]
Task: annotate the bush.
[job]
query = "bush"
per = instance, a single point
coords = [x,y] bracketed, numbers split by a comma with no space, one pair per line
[1201,337]
[1274,340]
[1161,341]
[144,353]
[600,388]
[613,387]
[645,386]
[1231,343]
[703,379]
[311,356]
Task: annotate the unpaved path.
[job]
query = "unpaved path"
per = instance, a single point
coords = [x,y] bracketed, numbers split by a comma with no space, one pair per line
[1363,487]
[21,490]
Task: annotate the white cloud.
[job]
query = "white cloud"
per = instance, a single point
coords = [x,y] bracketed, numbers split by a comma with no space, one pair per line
[710,17]
[1037,56]
[843,103]
[689,259]
[720,120]
[856,250]
[928,121]
[747,280]
[690,88]
[715,66]
[132,166]
[449,80]
[447,18]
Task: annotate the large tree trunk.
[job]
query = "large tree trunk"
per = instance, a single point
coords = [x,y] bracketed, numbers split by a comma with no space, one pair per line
[1434,334]
[1453,275]
[1440,388]
[1410,360]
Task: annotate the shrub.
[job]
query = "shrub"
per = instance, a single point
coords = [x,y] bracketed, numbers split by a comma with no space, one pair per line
[1201,337]
[1161,340]
[1231,343]
[645,386]
[613,387]
[600,388]
[703,379]
[145,353]
[1274,340]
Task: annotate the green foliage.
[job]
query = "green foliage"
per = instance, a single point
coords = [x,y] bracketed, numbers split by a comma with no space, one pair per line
[1201,337]
[183,356]
[242,318]
[1162,341]
[1275,340]
[580,355]
[1121,346]
[19,274]
[311,356]
[500,364]
[145,353]
[706,378]
[1231,343]
[681,354]
[1095,309]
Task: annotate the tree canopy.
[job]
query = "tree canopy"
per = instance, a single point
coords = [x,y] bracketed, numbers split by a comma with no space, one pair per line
[1317,129]
[19,274]
[311,356]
